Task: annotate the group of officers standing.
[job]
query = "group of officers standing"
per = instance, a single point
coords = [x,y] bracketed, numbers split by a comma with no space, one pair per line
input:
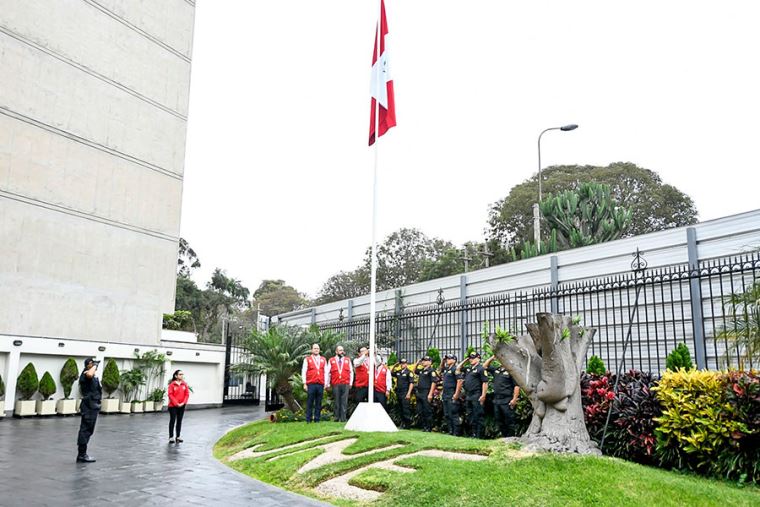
[463,389]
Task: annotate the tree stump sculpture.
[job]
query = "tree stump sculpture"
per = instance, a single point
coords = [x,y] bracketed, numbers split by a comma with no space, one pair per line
[547,365]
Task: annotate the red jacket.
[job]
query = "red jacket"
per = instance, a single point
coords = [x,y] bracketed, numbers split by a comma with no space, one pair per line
[338,376]
[178,393]
[361,377]
[381,379]
[314,369]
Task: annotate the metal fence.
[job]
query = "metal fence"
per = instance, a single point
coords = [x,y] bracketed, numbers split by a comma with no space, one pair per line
[654,310]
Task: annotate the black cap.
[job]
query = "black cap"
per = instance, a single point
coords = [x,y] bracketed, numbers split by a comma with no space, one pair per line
[426,358]
[473,355]
[452,356]
[88,361]
[403,361]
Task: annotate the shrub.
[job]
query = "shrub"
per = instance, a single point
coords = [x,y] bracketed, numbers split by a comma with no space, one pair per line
[2,387]
[157,395]
[697,424]
[392,360]
[679,357]
[743,396]
[596,366]
[435,356]
[131,380]
[27,382]
[596,398]
[69,374]
[179,320]
[523,413]
[47,386]
[634,409]
[111,377]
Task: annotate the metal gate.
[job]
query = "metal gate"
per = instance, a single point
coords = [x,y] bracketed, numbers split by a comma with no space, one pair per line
[239,388]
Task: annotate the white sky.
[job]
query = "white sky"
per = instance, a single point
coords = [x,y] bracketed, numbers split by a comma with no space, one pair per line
[278,172]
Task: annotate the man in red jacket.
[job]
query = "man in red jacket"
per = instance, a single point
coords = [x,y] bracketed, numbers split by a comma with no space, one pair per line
[313,373]
[361,375]
[339,377]
[383,383]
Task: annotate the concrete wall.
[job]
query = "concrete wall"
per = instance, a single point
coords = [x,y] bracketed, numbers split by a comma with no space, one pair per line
[203,363]
[715,238]
[93,116]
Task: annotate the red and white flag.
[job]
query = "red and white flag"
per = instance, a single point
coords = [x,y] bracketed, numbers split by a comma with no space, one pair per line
[382,85]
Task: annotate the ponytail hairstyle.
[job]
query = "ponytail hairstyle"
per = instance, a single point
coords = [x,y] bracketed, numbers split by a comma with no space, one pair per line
[174,376]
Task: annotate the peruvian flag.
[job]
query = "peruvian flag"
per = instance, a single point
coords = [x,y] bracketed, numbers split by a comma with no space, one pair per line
[382,85]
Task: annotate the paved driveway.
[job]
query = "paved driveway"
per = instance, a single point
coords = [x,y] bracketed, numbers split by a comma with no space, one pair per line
[136,466]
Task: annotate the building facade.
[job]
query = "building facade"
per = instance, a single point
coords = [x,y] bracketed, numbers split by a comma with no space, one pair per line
[93,118]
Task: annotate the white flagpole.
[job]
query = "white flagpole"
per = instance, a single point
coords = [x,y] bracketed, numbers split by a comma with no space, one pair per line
[373,262]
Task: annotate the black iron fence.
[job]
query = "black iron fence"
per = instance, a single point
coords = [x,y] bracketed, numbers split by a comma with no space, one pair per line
[709,307]
[238,387]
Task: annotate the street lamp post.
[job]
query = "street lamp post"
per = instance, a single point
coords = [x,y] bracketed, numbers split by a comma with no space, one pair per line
[536,211]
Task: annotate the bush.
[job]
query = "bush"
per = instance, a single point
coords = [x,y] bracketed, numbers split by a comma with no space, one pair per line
[2,387]
[69,375]
[27,382]
[679,357]
[596,399]
[111,377]
[47,386]
[634,409]
[596,366]
[697,424]
[392,360]
[435,357]
[179,320]
[157,395]
[743,396]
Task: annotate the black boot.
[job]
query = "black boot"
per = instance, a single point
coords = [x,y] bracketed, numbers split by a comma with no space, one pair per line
[85,458]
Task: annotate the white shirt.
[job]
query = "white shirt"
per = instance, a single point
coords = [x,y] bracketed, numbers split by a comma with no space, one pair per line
[306,366]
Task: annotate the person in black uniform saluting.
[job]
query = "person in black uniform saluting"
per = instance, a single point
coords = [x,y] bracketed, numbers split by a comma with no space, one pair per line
[89,386]
[505,395]
[475,387]
[452,384]
[426,379]
[404,386]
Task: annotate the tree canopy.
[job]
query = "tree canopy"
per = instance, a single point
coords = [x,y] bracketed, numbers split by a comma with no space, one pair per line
[275,297]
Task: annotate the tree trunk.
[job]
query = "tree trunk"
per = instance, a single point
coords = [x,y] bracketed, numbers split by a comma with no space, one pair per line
[285,390]
[547,365]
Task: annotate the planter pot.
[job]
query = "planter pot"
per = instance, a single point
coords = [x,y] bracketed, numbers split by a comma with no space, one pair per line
[25,408]
[158,406]
[66,407]
[2,408]
[109,406]
[46,407]
[79,404]
[125,407]
[137,408]
[148,406]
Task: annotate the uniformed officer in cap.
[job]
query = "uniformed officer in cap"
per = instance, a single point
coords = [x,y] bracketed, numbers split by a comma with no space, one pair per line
[425,384]
[505,396]
[404,385]
[89,386]
[475,388]
[452,385]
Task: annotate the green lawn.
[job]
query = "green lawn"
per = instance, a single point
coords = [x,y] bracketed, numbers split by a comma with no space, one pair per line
[501,479]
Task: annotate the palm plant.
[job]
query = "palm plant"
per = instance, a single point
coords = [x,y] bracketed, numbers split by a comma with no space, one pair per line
[277,353]
[328,340]
[742,327]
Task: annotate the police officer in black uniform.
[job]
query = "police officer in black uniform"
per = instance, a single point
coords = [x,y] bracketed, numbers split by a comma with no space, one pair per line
[89,386]
[452,384]
[404,385]
[426,380]
[475,388]
[505,395]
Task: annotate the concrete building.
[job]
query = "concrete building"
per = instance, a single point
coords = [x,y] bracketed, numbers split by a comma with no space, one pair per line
[93,119]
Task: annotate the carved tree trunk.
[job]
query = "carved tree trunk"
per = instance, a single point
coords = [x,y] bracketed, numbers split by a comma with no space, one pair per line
[547,365]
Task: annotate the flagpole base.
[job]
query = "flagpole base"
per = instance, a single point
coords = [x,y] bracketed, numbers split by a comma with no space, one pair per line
[370,417]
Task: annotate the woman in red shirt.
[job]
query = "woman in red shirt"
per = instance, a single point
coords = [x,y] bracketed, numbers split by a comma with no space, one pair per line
[179,393]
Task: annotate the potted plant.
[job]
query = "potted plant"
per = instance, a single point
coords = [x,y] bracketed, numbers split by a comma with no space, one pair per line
[157,397]
[110,382]
[151,363]
[2,397]
[26,384]
[47,388]
[69,375]
[131,380]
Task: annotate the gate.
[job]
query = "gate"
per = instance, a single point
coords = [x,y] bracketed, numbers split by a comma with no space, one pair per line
[239,388]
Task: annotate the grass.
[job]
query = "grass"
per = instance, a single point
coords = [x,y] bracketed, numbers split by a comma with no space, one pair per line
[502,478]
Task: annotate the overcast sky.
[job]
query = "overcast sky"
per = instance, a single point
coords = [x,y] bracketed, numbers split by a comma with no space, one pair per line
[278,172]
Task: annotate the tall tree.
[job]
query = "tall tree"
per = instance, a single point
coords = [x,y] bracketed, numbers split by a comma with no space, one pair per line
[187,259]
[275,297]
[654,205]
[451,261]
[344,285]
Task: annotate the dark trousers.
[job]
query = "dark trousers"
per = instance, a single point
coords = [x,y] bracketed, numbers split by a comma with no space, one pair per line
[404,409]
[425,412]
[340,396]
[86,429]
[175,419]
[382,399]
[451,411]
[475,412]
[505,417]
[361,394]
[314,393]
